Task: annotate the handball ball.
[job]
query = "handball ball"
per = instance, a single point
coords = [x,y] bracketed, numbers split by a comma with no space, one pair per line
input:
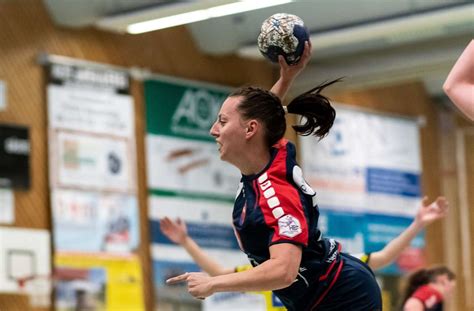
[283,34]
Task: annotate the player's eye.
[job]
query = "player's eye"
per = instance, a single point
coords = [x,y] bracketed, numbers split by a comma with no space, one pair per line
[221,121]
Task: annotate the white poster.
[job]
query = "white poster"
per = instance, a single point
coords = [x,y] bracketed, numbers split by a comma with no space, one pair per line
[95,222]
[3,95]
[91,109]
[92,162]
[187,165]
[367,163]
[367,176]
[7,206]
[234,301]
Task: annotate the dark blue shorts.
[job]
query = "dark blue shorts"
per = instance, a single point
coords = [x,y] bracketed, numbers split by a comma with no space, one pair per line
[355,289]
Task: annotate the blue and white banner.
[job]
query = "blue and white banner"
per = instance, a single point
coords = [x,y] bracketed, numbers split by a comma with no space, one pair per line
[366,173]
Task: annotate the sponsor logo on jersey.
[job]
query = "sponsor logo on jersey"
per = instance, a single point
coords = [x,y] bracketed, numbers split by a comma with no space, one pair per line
[289,226]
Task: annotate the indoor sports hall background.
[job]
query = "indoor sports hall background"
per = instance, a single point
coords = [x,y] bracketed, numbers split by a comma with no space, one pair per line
[103,132]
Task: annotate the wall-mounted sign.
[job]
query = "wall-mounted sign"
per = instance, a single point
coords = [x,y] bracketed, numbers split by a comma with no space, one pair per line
[14,157]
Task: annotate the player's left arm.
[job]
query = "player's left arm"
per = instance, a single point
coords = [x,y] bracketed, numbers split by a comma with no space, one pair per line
[289,73]
[277,272]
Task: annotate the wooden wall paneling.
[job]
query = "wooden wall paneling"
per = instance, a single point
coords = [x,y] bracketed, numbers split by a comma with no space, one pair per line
[449,186]
[469,156]
[465,197]
[144,250]
[26,29]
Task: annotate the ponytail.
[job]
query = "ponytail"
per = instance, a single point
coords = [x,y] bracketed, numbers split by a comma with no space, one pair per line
[316,109]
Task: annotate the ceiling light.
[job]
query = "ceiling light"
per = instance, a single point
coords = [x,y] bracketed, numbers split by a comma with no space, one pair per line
[200,15]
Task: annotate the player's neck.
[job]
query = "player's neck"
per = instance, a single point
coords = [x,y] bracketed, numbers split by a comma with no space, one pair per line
[255,161]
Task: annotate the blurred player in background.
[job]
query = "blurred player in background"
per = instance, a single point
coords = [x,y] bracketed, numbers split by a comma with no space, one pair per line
[427,289]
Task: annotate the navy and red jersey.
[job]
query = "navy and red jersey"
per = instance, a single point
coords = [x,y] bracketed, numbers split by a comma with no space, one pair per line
[432,299]
[278,206]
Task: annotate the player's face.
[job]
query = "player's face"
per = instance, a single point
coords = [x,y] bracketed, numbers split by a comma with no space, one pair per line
[229,131]
[449,287]
[447,284]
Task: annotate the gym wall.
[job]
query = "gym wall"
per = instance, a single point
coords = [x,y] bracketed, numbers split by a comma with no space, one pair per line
[26,30]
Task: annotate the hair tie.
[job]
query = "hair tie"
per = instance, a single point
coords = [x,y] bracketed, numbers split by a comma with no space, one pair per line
[285,109]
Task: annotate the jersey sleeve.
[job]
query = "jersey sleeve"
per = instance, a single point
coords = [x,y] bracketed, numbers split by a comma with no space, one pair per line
[427,295]
[281,205]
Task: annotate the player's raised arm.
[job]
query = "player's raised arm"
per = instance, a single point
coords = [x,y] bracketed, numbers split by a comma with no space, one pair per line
[427,214]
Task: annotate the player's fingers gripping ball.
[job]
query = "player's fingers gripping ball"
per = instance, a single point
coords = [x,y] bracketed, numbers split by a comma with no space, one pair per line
[283,34]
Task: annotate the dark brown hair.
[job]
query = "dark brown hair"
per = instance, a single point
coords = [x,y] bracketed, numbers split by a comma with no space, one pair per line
[314,108]
[424,276]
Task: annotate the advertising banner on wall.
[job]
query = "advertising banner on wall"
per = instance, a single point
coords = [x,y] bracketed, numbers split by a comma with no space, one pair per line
[367,169]
[186,178]
[90,282]
[95,222]
[92,162]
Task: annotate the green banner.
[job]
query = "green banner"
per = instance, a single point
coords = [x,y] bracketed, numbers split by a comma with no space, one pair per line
[182,110]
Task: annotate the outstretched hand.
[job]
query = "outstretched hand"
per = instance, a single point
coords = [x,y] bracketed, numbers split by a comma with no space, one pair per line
[176,231]
[289,72]
[199,285]
[429,213]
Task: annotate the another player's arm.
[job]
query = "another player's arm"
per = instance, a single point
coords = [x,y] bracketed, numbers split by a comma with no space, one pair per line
[459,84]
[203,260]
[289,73]
[279,271]
[426,214]
[176,231]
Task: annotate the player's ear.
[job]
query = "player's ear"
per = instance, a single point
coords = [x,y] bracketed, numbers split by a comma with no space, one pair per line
[251,128]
